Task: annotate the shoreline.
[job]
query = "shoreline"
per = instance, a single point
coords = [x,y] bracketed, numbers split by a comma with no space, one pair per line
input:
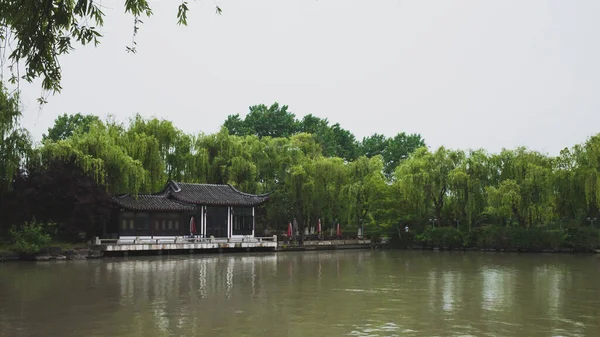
[52,253]
[92,253]
[505,250]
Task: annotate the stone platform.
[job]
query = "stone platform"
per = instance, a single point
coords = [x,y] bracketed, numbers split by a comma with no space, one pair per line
[141,244]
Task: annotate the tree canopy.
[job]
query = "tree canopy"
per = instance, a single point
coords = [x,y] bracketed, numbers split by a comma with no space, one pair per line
[15,142]
[65,125]
[385,182]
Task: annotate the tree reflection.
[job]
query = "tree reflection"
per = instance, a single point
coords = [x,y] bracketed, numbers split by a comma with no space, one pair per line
[298,294]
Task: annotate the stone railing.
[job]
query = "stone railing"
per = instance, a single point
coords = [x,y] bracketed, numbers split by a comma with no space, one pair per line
[181,239]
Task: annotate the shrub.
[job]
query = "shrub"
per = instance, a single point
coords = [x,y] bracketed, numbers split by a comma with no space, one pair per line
[556,238]
[491,237]
[30,238]
[582,238]
[445,237]
[402,240]
[495,237]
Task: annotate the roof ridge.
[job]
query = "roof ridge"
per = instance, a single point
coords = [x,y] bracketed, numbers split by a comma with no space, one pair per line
[248,194]
[177,187]
[201,184]
[158,194]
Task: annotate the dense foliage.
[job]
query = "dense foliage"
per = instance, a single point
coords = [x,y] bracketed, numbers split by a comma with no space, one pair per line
[29,238]
[335,141]
[386,184]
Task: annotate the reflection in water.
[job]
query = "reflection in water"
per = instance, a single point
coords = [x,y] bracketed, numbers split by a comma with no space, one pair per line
[451,290]
[498,288]
[346,293]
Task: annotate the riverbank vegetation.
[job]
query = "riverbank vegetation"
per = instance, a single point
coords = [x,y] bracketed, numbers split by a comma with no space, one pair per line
[314,169]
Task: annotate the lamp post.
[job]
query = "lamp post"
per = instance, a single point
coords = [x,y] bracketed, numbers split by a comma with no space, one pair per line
[592,220]
[433,220]
[362,229]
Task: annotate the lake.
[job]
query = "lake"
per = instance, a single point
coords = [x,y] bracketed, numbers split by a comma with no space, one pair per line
[330,293]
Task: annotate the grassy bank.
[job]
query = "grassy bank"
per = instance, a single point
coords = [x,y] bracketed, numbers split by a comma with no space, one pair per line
[580,239]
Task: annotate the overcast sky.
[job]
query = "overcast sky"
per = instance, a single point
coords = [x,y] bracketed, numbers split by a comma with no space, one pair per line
[464,74]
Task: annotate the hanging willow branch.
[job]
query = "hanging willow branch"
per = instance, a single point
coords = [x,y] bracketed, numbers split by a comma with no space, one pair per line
[38,32]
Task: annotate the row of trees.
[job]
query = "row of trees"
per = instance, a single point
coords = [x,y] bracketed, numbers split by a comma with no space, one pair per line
[277,122]
[389,181]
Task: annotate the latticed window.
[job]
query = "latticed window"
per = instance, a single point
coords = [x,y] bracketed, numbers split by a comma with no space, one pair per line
[167,223]
[127,221]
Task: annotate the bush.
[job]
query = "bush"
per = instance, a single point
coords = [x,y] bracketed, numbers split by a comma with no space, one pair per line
[402,240]
[495,237]
[30,238]
[444,237]
[491,237]
[582,238]
[556,238]
[498,237]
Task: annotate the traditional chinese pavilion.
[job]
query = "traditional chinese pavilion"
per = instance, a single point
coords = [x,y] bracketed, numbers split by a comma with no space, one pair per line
[220,211]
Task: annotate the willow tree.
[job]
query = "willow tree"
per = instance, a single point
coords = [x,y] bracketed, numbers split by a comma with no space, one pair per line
[227,160]
[100,153]
[145,149]
[266,154]
[366,184]
[294,179]
[15,142]
[591,162]
[330,201]
[424,179]
[525,192]
[166,137]
[468,182]
[300,186]
[570,173]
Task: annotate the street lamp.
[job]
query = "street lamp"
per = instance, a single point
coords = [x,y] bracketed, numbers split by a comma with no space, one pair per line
[362,229]
[592,220]
[433,220]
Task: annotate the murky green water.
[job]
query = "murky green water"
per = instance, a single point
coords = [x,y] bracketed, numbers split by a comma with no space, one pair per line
[347,293]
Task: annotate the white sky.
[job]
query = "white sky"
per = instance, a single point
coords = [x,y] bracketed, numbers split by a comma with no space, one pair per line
[464,74]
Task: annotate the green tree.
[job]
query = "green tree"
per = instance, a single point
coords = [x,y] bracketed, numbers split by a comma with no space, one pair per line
[424,179]
[570,183]
[399,148]
[15,142]
[344,142]
[374,145]
[65,125]
[525,191]
[365,186]
[591,163]
[273,121]
[236,125]
[468,183]
[321,131]
[101,153]
[394,150]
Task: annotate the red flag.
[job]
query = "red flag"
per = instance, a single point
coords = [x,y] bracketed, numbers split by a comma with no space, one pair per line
[289,231]
[339,230]
[319,226]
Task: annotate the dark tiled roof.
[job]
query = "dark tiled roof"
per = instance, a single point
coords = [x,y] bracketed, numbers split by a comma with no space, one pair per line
[213,195]
[152,202]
